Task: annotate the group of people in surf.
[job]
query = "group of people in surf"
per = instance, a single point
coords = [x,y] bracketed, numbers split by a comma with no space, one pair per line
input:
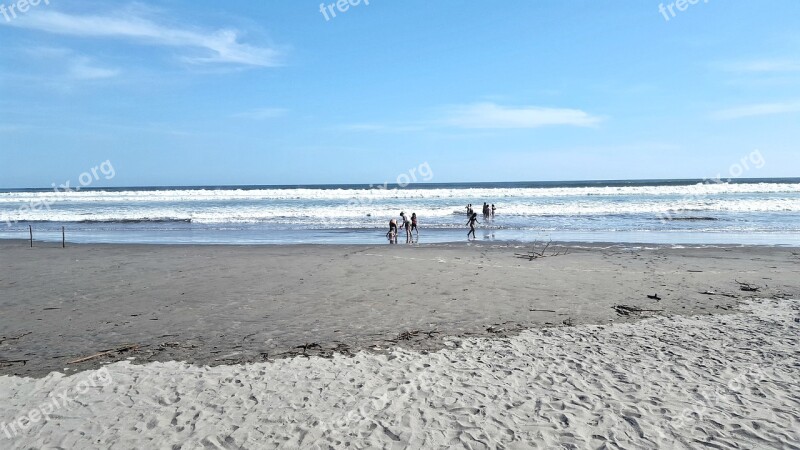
[488,211]
[409,225]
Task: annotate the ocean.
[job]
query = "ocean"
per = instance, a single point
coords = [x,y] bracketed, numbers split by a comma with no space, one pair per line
[675,212]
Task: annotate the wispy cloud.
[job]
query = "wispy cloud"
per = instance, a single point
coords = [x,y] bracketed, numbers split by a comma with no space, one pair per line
[761,66]
[761,109]
[75,66]
[491,115]
[13,128]
[220,46]
[82,68]
[261,114]
[381,128]
[487,116]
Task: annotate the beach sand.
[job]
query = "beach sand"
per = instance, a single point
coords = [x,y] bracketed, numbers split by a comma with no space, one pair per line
[720,381]
[441,345]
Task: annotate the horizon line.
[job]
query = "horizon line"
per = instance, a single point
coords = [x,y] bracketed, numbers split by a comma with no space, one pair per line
[397,185]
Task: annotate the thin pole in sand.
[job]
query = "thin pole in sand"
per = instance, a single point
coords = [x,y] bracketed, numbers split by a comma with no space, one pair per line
[30,228]
[63,241]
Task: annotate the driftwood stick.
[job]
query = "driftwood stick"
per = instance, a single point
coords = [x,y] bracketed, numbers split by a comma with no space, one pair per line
[104,353]
[718,293]
[16,338]
[30,228]
[534,254]
[625,310]
[13,361]
[545,248]
[747,287]
[90,357]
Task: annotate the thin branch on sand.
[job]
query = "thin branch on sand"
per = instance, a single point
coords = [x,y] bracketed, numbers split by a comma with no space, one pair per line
[747,287]
[16,338]
[121,349]
[625,310]
[533,254]
[719,293]
[407,335]
[8,362]
[307,346]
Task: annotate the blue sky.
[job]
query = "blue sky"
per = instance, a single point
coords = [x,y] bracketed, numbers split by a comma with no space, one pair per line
[196,92]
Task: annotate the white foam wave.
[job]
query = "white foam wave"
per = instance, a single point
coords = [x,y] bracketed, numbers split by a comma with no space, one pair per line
[374,213]
[361,196]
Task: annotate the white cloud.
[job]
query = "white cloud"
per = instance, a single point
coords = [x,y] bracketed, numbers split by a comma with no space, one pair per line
[48,53]
[762,66]
[75,66]
[12,128]
[261,114]
[82,69]
[486,116]
[762,109]
[380,128]
[221,46]
[490,115]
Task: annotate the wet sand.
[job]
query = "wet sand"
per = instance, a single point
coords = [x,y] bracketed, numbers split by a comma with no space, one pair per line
[217,305]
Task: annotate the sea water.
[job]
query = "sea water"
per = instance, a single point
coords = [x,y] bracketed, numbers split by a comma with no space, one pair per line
[744,211]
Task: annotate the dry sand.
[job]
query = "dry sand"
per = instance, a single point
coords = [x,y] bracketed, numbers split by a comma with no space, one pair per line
[227,304]
[721,381]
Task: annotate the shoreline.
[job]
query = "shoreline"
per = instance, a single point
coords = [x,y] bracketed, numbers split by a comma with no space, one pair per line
[222,305]
[499,243]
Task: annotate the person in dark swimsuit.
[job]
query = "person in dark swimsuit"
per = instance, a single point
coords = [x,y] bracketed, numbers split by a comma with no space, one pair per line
[471,222]
[414,224]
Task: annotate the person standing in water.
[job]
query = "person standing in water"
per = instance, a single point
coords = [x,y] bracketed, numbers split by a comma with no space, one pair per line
[471,222]
[392,234]
[414,224]
[407,225]
[493,209]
